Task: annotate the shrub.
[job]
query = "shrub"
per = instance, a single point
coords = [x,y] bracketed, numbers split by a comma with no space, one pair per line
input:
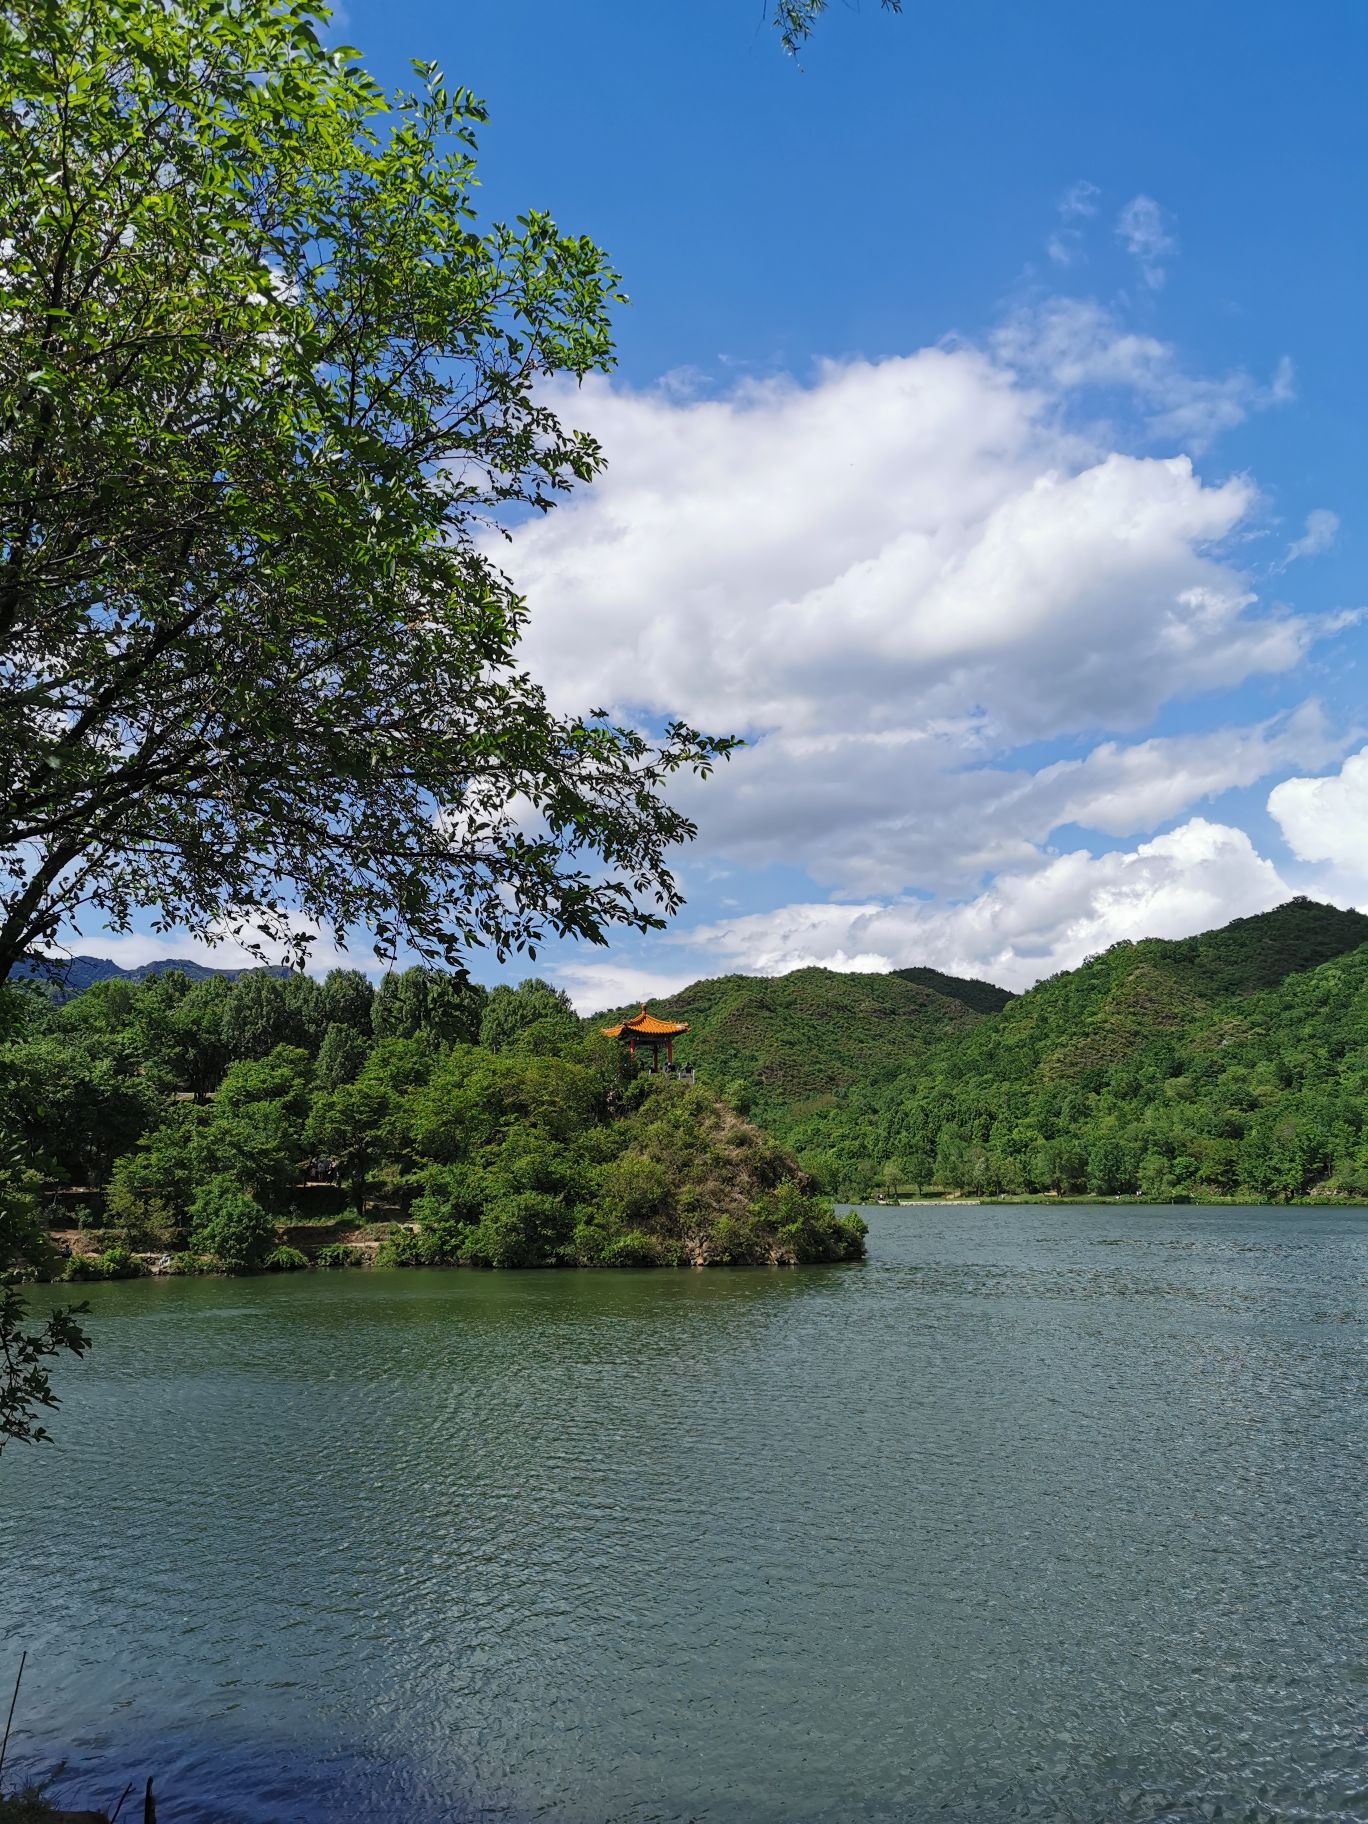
[190,1263]
[147,1219]
[519,1229]
[807,1231]
[739,1241]
[120,1263]
[230,1224]
[402,1248]
[29,1805]
[114,1263]
[631,1250]
[450,1209]
[590,1241]
[633,1190]
[339,1255]
[598,1242]
[285,1260]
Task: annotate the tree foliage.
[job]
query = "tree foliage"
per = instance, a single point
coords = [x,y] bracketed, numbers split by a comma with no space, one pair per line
[230,1225]
[269,390]
[26,1349]
[795,19]
[510,1014]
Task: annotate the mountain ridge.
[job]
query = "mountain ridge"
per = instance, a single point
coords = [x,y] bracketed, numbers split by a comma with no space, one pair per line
[69,976]
[1159,1066]
[777,1043]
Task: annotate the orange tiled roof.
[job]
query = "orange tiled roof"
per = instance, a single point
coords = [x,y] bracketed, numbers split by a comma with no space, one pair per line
[646,1026]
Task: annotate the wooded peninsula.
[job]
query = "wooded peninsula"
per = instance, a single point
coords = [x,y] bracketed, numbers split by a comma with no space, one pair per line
[213,1123]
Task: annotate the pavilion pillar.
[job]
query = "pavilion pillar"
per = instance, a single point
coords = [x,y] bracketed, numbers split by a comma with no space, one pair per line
[669,1051]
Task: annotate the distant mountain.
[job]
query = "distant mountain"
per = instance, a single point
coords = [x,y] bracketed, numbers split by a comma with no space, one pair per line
[782,1045]
[1087,1020]
[66,976]
[1163,1066]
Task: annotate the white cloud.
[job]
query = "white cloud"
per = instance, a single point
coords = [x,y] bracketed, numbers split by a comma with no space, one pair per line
[900,542]
[1065,244]
[1027,924]
[1144,231]
[1079,199]
[1327,819]
[871,813]
[1121,791]
[894,576]
[592,986]
[1322,526]
[1068,346]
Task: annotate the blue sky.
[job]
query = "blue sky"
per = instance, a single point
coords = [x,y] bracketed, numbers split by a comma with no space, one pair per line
[987,446]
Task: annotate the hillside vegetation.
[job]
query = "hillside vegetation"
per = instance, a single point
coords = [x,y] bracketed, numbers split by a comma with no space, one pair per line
[1232,1063]
[783,1046]
[486,1129]
[978,996]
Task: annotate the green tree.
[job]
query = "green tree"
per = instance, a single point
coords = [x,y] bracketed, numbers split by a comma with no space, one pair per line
[154,1010]
[304,1012]
[196,1043]
[446,1007]
[340,1057]
[282,1077]
[352,1126]
[156,1181]
[1111,1167]
[106,1009]
[261,1148]
[261,1015]
[510,1012]
[264,382]
[76,1107]
[474,1100]
[1155,1179]
[452,1203]
[345,998]
[229,1224]
[256,1134]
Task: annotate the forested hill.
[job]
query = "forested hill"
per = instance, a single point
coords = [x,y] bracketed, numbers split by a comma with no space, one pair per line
[1233,1062]
[780,1046]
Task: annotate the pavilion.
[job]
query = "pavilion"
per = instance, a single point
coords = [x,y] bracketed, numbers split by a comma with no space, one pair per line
[645,1029]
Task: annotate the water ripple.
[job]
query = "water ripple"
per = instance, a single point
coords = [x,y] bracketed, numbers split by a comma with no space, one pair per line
[1031,1517]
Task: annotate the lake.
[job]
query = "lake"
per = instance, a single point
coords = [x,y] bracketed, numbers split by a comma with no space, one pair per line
[1041,1513]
